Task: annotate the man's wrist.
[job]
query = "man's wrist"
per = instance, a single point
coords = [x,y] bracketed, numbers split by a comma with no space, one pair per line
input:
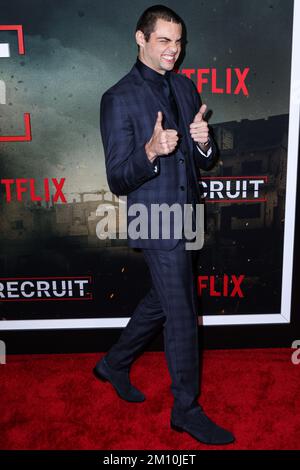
[204,145]
[150,154]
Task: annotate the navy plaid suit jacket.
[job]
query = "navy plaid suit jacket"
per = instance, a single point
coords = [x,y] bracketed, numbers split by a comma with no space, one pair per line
[128,113]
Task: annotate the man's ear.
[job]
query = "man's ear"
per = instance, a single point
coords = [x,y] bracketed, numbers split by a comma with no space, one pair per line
[140,38]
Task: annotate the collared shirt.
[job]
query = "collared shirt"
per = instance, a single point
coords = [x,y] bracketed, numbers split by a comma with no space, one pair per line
[151,75]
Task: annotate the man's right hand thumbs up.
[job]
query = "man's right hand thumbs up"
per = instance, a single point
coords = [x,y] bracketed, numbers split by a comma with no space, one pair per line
[158,124]
[162,141]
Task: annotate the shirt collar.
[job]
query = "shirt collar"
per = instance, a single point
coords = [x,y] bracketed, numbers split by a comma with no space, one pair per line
[149,74]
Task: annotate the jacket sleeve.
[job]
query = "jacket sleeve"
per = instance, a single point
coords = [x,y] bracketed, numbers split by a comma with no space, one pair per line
[127,164]
[204,162]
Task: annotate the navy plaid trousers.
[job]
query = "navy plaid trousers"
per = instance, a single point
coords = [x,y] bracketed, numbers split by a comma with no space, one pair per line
[171,303]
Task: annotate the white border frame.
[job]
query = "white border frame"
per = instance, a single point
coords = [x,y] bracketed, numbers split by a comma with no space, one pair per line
[289,227]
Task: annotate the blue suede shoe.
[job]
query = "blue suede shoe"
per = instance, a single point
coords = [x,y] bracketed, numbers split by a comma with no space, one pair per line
[198,425]
[119,379]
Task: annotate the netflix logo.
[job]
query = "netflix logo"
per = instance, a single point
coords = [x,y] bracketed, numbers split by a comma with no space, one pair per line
[221,286]
[15,189]
[233,80]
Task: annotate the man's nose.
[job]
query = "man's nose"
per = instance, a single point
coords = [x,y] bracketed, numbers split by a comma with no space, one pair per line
[173,48]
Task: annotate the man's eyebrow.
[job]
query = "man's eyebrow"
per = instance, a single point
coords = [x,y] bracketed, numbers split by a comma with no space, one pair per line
[168,39]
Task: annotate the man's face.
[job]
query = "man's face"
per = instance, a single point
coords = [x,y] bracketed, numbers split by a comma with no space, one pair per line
[163,48]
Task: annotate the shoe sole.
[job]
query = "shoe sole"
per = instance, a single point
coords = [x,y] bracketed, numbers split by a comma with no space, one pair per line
[176,428]
[180,429]
[98,375]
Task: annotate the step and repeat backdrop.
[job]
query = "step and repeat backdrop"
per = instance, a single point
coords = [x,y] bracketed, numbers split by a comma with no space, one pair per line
[57,58]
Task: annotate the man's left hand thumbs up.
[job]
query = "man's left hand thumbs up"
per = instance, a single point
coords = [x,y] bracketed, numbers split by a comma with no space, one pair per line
[199,128]
[200,114]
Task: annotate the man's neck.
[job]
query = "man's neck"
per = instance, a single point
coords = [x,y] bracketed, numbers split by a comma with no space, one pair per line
[162,72]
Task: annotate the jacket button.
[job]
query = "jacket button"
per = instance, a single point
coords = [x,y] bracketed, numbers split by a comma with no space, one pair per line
[182,188]
[181,160]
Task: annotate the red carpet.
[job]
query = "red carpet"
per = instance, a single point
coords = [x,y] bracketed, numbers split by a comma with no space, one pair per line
[54,402]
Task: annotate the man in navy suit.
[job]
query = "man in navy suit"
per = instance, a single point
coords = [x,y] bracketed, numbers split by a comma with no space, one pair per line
[155,140]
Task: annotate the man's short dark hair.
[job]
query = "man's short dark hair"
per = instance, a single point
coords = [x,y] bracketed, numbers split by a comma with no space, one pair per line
[147,20]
